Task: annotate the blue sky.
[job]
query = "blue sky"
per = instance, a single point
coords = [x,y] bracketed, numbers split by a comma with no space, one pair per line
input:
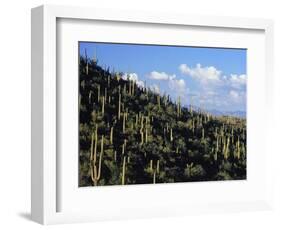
[212,78]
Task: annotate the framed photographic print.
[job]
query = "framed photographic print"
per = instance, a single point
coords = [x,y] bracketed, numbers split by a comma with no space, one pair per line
[178,124]
[137,114]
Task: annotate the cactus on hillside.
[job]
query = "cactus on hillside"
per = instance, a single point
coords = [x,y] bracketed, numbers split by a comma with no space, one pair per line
[108,81]
[123,148]
[189,169]
[179,107]
[123,171]
[124,89]
[203,134]
[217,148]
[102,110]
[133,88]
[154,169]
[146,135]
[119,106]
[111,135]
[98,99]
[193,126]
[238,149]
[158,101]
[226,150]
[124,122]
[141,122]
[136,119]
[130,85]
[141,133]
[95,167]
[90,97]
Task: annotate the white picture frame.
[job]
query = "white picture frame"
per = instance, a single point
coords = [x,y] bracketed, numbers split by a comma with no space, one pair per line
[46,181]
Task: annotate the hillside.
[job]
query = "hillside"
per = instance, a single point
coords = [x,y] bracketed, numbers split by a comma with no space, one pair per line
[131,135]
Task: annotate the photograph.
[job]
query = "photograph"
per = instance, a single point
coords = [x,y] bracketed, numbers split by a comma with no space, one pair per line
[157,113]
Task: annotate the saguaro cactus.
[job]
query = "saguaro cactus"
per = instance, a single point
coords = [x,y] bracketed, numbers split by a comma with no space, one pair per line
[217,149]
[158,166]
[165,100]
[123,148]
[124,89]
[124,122]
[193,126]
[96,169]
[105,95]
[189,168]
[154,169]
[87,68]
[141,133]
[108,81]
[191,109]
[119,106]
[102,109]
[118,77]
[146,120]
[226,150]
[94,147]
[151,164]
[123,170]
[133,88]
[98,93]
[238,149]
[146,135]
[203,134]
[111,135]
[79,99]
[90,97]
[171,135]
[158,101]
[130,85]
[179,107]
[136,119]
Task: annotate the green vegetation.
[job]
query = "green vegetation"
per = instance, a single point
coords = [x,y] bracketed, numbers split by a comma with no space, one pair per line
[131,135]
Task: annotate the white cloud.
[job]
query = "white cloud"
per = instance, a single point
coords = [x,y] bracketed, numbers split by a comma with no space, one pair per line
[173,83]
[234,94]
[154,75]
[177,85]
[140,84]
[237,81]
[211,93]
[155,88]
[130,76]
[133,77]
[237,96]
[203,74]
[210,76]
[215,89]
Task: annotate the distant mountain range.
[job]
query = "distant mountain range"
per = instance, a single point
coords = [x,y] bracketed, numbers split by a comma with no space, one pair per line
[241,114]
[215,112]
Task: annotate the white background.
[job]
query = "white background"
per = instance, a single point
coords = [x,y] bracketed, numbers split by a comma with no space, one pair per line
[15,113]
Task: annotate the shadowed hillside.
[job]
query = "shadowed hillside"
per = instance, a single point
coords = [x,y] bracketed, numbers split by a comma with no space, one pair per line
[131,135]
